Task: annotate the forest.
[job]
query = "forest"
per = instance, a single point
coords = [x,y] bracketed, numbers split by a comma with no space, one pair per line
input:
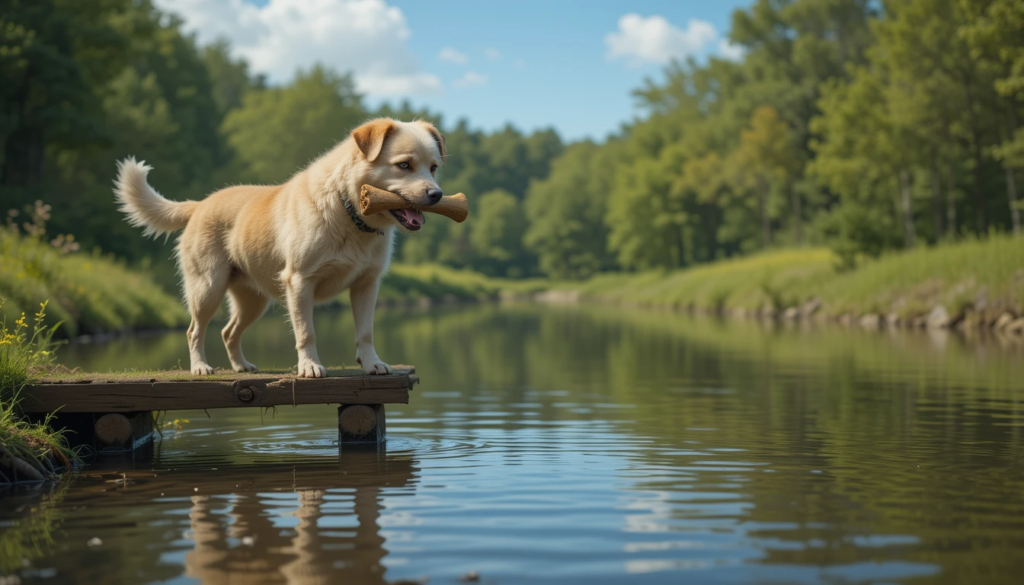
[860,125]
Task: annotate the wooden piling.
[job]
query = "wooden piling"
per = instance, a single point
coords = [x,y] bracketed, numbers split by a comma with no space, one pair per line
[361,423]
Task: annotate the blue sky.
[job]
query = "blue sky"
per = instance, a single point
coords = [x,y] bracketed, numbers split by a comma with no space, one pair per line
[566,64]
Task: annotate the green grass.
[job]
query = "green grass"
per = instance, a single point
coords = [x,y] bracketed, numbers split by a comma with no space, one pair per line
[775,279]
[27,450]
[406,283]
[88,293]
[977,273]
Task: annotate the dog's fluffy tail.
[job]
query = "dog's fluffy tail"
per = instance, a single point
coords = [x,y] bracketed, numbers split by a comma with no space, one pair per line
[143,205]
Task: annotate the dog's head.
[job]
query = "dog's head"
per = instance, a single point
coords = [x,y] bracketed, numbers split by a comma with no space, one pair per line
[402,157]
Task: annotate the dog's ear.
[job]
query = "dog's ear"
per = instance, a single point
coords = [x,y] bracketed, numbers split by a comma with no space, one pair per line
[370,136]
[438,137]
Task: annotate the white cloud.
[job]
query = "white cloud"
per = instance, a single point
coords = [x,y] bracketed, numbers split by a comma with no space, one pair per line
[450,54]
[366,37]
[470,79]
[655,40]
[492,53]
[730,51]
[398,85]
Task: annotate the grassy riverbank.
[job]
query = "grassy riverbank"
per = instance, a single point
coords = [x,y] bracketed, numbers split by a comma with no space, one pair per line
[410,284]
[985,276]
[88,293]
[28,451]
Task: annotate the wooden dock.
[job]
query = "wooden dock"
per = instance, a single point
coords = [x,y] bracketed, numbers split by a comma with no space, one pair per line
[114,412]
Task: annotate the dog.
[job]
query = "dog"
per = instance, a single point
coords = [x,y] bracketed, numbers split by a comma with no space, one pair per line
[301,243]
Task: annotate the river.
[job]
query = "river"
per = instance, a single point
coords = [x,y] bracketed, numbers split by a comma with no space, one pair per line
[555,444]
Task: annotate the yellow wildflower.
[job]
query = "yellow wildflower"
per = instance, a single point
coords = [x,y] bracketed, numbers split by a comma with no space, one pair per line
[21,323]
[42,311]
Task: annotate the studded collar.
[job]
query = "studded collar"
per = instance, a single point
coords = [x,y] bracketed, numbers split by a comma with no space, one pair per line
[356,219]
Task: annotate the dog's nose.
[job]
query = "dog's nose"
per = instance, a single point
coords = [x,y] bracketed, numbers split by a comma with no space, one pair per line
[434,195]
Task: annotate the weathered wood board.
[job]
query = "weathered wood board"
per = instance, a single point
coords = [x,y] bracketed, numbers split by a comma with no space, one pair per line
[148,391]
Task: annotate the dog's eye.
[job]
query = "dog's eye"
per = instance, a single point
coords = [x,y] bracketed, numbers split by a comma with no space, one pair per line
[404,165]
[433,168]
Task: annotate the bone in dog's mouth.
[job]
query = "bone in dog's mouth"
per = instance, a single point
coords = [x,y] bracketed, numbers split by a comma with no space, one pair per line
[411,219]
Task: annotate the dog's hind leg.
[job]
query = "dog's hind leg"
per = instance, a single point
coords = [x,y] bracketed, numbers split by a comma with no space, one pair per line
[204,290]
[246,307]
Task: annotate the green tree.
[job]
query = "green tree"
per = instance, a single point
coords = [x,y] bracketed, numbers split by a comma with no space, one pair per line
[230,77]
[921,39]
[853,161]
[995,34]
[100,80]
[765,158]
[566,213]
[279,130]
[54,57]
[496,234]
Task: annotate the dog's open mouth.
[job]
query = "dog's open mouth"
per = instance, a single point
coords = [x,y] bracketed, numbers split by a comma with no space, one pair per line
[411,219]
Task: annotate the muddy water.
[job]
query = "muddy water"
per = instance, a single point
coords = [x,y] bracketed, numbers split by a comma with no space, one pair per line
[575,444]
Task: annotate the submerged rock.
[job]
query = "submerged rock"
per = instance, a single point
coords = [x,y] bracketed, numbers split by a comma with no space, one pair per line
[1017,326]
[938,318]
[1003,321]
[557,296]
[811,307]
[870,321]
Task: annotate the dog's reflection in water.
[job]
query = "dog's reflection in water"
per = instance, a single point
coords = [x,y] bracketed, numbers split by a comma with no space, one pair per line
[325,529]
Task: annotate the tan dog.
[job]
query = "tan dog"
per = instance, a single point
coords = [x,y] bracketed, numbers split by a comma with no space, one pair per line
[298,242]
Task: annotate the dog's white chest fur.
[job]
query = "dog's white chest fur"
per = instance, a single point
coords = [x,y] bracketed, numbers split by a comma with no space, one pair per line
[338,272]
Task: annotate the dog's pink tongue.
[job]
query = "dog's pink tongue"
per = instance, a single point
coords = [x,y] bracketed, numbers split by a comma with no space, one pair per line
[413,217]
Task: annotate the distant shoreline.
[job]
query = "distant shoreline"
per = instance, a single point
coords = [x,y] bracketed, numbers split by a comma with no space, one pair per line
[972,285]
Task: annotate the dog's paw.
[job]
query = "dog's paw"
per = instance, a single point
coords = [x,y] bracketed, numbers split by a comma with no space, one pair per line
[244,367]
[201,369]
[311,369]
[377,368]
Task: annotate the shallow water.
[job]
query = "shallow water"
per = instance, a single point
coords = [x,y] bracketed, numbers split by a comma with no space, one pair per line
[567,444]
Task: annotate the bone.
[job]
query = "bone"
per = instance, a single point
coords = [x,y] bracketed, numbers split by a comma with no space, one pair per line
[373,200]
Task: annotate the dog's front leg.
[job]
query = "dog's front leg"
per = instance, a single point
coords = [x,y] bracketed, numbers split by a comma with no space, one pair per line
[363,296]
[299,295]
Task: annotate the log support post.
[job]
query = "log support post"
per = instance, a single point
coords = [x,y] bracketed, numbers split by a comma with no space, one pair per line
[122,432]
[106,432]
[361,423]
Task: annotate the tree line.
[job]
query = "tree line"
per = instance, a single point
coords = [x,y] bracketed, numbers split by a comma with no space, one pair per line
[868,126]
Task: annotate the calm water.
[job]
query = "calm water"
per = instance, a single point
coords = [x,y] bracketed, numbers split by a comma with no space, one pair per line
[568,444]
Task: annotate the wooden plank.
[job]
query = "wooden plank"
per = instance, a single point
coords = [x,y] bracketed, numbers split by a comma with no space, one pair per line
[95,393]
